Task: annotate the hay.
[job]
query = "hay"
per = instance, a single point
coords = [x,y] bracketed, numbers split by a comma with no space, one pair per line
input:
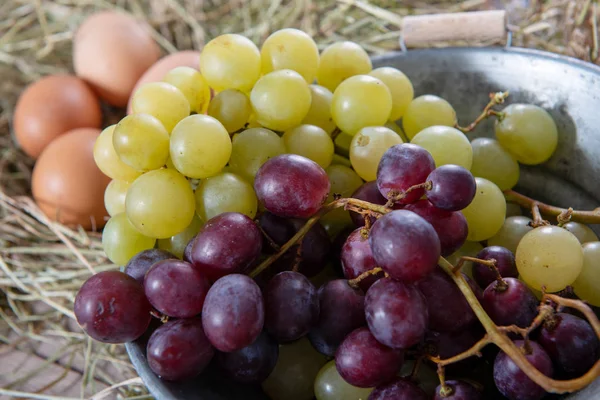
[42,264]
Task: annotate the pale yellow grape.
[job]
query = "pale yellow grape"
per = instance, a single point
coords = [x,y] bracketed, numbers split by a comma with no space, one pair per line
[587,284]
[485,215]
[114,197]
[341,160]
[290,49]
[425,111]
[400,87]
[252,148]
[225,192]
[342,144]
[511,233]
[493,162]
[329,385]
[232,108]
[341,60]
[344,181]
[121,241]
[176,244]
[319,113]
[469,249]
[141,142]
[513,210]
[160,203]
[360,101]
[311,142]
[367,148]
[108,160]
[193,86]
[163,101]
[200,146]
[230,61]
[446,145]
[582,232]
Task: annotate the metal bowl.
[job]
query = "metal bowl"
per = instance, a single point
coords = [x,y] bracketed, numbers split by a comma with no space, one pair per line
[568,88]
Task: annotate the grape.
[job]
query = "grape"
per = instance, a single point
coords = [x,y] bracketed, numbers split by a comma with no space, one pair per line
[402,166]
[230,61]
[582,232]
[225,192]
[512,382]
[179,349]
[111,307]
[280,99]
[329,385]
[187,252]
[513,210]
[163,101]
[107,159]
[452,187]
[549,256]
[342,144]
[200,146]
[505,263]
[510,302]
[340,61]
[587,285]
[252,148]
[396,313]
[114,197]
[494,163]
[367,192]
[425,111]
[121,241]
[357,258]
[253,363]
[446,145]
[139,264]
[367,148]
[344,181]
[364,362]
[486,213]
[290,49]
[405,245]
[342,310]
[177,244]
[193,86]
[160,203]
[400,87]
[228,243]
[459,390]
[233,313]
[399,389]
[349,109]
[311,142]
[511,233]
[528,132]
[469,249]
[231,108]
[292,186]
[319,113]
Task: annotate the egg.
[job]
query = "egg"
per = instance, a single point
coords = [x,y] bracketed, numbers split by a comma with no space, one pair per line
[52,106]
[111,51]
[66,183]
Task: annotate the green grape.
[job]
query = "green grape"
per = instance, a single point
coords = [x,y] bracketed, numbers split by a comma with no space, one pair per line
[426,377]
[319,113]
[587,284]
[121,240]
[108,160]
[400,87]
[469,249]
[311,142]
[141,142]
[511,233]
[232,108]
[549,256]
[160,203]
[494,163]
[295,372]
[200,146]
[193,86]
[425,111]
[528,132]
[114,197]
[341,160]
[281,99]
[341,60]
[252,148]
[329,385]
[349,109]
[290,49]
[342,144]
[230,61]
[225,192]
[367,148]
[582,232]
[176,244]
[485,215]
[163,101]
[513,210]
[447,145]
[344,181]
[394,126]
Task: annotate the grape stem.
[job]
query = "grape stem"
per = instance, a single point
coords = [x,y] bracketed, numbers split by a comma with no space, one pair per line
[355,282]
[445,390]
[394,196]
[537,217]
[586,217]
[495,98]
[564,217]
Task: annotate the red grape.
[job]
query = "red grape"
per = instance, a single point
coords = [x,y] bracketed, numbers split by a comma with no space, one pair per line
[460,390]
[505,263]
[452,187]
[253,363]
[367,192]
[510,304]
[449,344]
[187,252]
[336,250]
[399,389]
[139,264]
[357,258]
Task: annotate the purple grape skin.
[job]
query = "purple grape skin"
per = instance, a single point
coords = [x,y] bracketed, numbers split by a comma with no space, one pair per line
[292,186]
[234,313]
[336,250]
[402,166]
[512,382]
[187,252]
[176,288]
[179,349]
[139,264]
[399,389]
[291,306]
[342,310]
[516,305]
[357,258]
[364,362]
[405,245]
[396,313]
[505,262]
[227,244]
[253,363]
[452,187]
[461,390]
[450,226]
[111,307]
[368,191]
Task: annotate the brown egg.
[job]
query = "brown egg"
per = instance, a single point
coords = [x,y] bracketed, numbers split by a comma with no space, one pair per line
[52,106]
[67,185]
[111,51]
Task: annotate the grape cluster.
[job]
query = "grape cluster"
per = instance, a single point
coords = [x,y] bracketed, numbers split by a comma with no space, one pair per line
[219,179]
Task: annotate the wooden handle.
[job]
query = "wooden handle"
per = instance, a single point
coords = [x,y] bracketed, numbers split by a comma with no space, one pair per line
[479,25]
